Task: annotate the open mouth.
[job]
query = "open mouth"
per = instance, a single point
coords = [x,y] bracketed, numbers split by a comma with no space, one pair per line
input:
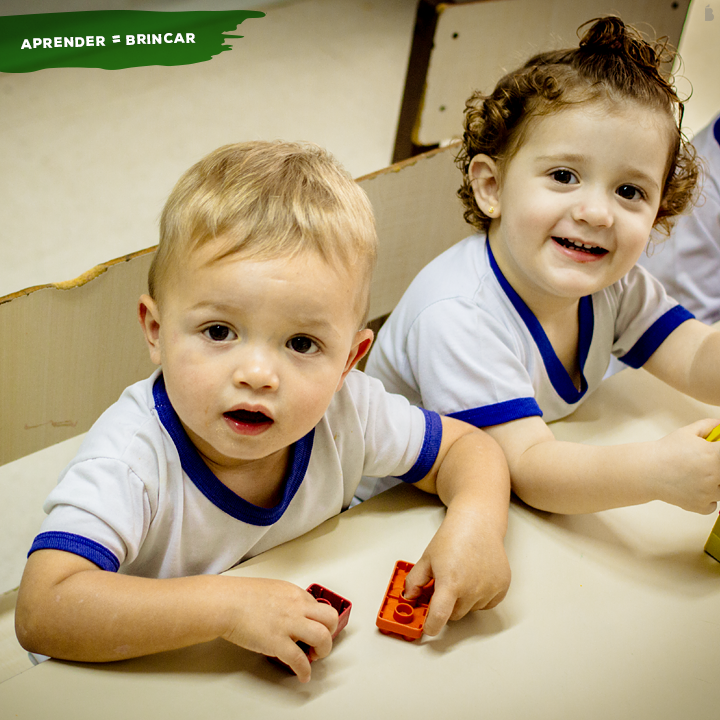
[581,247]
[248,417]
[248,422]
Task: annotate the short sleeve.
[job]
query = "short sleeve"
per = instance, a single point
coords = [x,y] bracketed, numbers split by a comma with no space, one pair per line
[400,439]
[469,365]
[646,315]
[98,510]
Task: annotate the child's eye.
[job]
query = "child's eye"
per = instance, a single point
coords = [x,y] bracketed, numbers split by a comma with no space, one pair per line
[630,192]
[303,345]
[218,333]
[566,177]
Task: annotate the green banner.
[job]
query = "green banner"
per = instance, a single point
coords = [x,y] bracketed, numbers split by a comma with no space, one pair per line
[115,39]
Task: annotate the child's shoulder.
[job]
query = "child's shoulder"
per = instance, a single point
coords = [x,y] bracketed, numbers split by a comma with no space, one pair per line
[465,259]
[460,273]
[126,426]
[364,399]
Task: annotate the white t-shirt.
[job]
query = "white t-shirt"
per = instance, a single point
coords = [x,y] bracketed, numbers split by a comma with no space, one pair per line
[139,499]
[688,262]
[462,342]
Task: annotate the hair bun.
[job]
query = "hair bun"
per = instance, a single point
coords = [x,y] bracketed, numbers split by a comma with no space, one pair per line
[606,33]
[609,35]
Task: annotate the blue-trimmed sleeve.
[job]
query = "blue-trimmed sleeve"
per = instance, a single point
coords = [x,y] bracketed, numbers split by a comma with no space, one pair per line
[655,335]
[499,413]
[429,451]
[78,545]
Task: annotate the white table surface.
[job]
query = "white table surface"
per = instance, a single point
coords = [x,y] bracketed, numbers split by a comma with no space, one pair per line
[614,615]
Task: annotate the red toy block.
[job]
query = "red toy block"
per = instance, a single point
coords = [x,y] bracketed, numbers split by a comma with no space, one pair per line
[343,606]
[328,597]
[398,616]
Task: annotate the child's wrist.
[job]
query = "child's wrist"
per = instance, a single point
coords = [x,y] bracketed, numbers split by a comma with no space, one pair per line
[490,521]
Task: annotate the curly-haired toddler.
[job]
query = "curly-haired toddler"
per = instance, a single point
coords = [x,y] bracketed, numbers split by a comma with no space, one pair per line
[568,165]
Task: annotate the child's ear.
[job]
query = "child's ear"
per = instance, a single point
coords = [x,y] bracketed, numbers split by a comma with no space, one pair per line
[360,347]
[485,180]
[149,317]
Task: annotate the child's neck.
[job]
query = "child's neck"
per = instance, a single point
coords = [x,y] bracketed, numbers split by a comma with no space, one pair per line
[563,331]
[560,322]
[260,482]
[557,315]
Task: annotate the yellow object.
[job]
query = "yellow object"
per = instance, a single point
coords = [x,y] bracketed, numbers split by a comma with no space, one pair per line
[712,546]
[714,434]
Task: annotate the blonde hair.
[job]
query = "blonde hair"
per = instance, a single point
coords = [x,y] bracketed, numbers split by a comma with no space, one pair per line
[613,62]
[266,200]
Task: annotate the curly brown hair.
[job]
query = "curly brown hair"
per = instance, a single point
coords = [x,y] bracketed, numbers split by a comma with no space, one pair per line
[613,62]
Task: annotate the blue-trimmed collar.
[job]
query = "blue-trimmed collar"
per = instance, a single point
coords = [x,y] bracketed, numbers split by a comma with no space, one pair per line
[561,381]
[205,480]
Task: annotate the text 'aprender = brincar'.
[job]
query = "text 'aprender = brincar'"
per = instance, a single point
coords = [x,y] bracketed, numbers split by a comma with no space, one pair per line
[99,40]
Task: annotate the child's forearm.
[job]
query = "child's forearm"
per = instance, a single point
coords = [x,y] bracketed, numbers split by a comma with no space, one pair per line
[563,477]
[474,478]
[571,478]
[466,556]
[67,608]
[98,616]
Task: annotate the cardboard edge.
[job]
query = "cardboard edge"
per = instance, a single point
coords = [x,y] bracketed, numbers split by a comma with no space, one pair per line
[396,167]
[80,280]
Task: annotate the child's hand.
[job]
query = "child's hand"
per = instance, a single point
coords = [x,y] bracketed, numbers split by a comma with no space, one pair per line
[271,616]
[688,468]
[470,567]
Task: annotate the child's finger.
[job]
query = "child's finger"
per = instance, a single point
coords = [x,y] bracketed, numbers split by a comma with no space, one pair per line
[441,608]
[714,434]
[419,576]
[317,637]
[295,658]
[325,614]
[703,428]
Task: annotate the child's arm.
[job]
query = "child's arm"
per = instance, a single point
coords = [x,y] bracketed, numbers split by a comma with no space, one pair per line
[689,361]
[564,477]
[70,609]
[681,469]
[466,556]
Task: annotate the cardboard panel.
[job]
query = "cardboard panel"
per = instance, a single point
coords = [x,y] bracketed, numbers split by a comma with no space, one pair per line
[477,43]
[418,216]
[67,351]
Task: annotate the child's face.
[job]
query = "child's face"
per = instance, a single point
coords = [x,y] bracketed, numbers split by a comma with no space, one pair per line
[253,351]
[575,206]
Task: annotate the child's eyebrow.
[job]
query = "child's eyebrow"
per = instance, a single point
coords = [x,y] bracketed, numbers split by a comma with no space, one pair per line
[212,305]
[642,177]
[567,157]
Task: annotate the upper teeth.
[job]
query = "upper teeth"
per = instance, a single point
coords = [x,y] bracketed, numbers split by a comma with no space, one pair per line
[579,244]
[582,245]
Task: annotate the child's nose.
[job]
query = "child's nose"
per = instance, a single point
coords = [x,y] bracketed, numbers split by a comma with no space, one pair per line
[594,208]
[256,370]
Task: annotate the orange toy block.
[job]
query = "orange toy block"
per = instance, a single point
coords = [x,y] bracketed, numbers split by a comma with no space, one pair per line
[398,616]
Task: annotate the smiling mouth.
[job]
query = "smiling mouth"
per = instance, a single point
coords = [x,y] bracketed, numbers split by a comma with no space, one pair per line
[582,247]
